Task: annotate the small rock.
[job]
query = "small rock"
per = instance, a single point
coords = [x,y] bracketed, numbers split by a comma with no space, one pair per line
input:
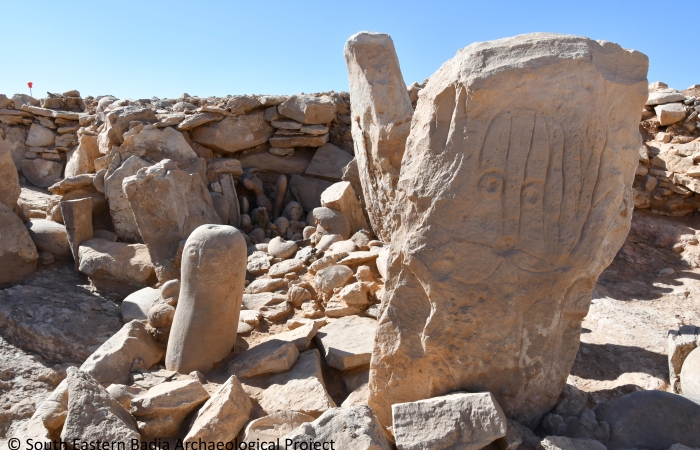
[279,248]
[275,426]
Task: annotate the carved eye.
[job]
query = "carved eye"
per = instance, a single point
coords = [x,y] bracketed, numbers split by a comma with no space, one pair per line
[531,193]
[491,183]
[192,253]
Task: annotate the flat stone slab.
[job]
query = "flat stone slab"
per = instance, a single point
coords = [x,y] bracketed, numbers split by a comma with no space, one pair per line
[347,342]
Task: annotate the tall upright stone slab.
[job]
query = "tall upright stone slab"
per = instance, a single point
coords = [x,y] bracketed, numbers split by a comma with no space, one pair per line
[381,121]
[213,278]
[168,204]
[229,192]
[77,216]
[515,193]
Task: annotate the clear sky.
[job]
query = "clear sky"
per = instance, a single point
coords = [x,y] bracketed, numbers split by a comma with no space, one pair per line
[140,49]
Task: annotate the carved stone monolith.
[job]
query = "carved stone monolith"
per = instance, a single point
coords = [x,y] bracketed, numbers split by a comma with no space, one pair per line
[514,195]
[212,282]
[381,121]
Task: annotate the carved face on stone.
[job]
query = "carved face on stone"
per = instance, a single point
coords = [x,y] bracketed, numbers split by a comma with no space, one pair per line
[293,211]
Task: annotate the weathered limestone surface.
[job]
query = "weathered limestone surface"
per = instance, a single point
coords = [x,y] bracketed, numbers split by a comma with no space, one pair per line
[235,133]
[93,415]
[168,205]
[213,279]
[77,216]
[119,207]
[515,193]
[223,415]
[459,420]
[381,121]
[9,181]
[18,255]
[350,428]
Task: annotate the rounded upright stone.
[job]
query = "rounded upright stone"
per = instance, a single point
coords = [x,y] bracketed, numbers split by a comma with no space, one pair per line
[213,278]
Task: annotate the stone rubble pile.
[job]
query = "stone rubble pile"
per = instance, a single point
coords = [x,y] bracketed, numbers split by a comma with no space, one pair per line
[667,180]
[392,276]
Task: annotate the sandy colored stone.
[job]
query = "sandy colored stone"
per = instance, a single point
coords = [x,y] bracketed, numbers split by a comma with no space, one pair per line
[332,277]
[213,278]
[119,207]
[82,158]
[266,285]
[459,420]
[308,109]
[282,268]
[116,266]
[93,415]
[235,133]
[663,96]
[77,217]
[381,121]
[543,170]
[298,141]
[154,144]
[347,342]
[160,411]
[352,428]
[40,136]
[51,237]
[566,443]
[341,197]
[332,220]
[328,162]
[300,336]
[168,205]
[41,172]
[275,426]
[279,248]
[690,375]
[222,416]
[113,360]
[18,254]
[300,389]
[9,181]
[670,113]
[136,305]
[273,356]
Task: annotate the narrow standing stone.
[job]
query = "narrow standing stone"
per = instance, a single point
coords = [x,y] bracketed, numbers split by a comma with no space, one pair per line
[77,217]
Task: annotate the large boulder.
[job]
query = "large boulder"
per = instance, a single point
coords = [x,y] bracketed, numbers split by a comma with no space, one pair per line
[82,158]
[537,137]
[653,420]
[235,133]
[18,255]
[154,144]
[113,361]
[168,205]
[50,237]
[40,136]
[381,121]
[119,207]
[347,343]
[41,172]
[308,109]
[341,197]
[116,266]
[328,162]
[213,279]
[9,181]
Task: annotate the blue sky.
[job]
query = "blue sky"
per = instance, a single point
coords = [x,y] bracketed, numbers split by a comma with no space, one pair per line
[164,48]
